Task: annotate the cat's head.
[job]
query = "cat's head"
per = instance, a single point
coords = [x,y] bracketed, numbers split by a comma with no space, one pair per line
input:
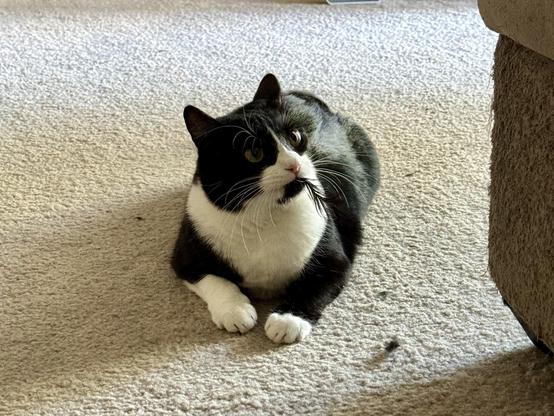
[256,152]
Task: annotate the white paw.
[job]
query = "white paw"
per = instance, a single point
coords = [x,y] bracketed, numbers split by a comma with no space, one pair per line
[286,328]
[235,315]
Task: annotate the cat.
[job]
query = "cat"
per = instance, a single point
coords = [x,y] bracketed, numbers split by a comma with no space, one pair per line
[275,209]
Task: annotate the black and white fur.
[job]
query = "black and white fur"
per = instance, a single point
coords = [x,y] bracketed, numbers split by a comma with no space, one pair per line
[275,208]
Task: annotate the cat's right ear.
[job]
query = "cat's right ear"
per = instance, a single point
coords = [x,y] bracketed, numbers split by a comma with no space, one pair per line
[269,89]
[198,123]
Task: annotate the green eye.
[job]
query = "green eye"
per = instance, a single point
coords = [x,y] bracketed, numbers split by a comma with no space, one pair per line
[296,138]
[254,155]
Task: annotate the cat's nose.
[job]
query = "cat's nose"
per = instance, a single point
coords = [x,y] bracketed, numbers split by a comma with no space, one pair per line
[294,167]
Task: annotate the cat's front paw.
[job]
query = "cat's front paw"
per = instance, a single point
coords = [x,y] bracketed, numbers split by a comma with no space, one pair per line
[236,315]
[286,328]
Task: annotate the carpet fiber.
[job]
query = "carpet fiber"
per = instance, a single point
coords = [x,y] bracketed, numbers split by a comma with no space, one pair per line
[94,165]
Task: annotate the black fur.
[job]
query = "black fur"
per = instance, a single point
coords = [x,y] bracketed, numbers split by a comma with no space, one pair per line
[193,258]
[291,190]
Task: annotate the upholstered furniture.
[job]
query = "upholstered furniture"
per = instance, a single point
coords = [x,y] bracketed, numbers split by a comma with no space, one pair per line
[521,239]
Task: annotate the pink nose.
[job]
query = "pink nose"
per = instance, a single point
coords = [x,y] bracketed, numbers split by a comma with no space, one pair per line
[294,168]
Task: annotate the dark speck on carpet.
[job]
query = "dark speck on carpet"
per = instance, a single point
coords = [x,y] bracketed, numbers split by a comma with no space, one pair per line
[392,345]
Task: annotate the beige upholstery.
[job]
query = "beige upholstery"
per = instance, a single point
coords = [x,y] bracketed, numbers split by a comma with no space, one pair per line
[528,22]
[521,240]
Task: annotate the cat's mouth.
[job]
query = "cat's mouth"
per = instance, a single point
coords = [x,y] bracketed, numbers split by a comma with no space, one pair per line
[296,186]
[292,189]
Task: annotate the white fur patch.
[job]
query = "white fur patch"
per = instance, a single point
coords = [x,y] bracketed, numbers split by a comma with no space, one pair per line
[266,242]
[276,176]
[286,328]
[229,307]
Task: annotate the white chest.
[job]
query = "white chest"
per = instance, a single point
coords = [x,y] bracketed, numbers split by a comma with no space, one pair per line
[267,245]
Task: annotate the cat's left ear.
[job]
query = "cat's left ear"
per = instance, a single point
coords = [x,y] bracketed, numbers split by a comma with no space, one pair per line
[198,123]
[269,89]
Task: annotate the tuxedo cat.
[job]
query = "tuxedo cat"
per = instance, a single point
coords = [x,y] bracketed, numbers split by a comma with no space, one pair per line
[275,208]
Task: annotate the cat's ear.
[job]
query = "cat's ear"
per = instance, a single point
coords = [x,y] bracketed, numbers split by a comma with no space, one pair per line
[198,123]
[269,89]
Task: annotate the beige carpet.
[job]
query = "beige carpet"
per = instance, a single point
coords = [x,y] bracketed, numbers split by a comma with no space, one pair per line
[94,162]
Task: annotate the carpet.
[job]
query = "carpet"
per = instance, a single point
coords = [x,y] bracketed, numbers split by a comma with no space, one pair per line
[94,166]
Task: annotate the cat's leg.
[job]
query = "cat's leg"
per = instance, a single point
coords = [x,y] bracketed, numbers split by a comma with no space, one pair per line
[307,297]
[228,306]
